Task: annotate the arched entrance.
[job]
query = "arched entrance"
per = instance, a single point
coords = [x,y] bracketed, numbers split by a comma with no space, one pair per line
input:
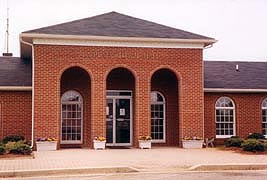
[164,108]
[120,86]
[75,90]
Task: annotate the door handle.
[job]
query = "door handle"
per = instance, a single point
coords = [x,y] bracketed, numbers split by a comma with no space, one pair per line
[120,119]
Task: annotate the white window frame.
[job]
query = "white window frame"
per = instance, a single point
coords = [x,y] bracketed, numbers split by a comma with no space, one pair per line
[234,118]
[263,108]
[164,117]
[81,103]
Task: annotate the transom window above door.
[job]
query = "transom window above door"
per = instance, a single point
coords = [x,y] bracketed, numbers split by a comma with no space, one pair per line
[157,117]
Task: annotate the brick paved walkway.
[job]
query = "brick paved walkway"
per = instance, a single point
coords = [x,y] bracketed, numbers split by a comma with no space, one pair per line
[147,160]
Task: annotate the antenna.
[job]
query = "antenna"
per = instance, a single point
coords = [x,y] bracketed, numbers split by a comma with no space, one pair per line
[7,29]
[7,32]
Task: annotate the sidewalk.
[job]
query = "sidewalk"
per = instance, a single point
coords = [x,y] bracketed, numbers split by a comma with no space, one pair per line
[127,160]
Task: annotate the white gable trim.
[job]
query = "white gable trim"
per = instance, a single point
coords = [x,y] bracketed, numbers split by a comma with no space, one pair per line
[15,88]
[119,43]
[87,40]
[222,90]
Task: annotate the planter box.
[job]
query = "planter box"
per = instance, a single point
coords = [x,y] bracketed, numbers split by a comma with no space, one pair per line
[99,144]
[145,144]
[192,144]
[46,145]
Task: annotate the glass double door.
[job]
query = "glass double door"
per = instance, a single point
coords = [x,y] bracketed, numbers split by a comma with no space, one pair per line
[119,121]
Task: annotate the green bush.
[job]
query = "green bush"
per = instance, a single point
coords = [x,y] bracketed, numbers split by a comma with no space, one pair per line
[234,141]
[19,147]
[253,145]
[2,149]
[12,138]
[23,148]
[256,136]
[10,147]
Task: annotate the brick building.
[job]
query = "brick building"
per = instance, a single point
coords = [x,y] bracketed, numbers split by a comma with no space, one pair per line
[121,77]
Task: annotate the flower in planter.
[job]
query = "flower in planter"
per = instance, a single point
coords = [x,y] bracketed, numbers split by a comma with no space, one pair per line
[144,138]
[46,139]
[193,138]
[99,138]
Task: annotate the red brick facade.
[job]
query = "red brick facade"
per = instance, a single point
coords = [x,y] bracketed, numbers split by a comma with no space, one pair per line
[247,108]
[175,73]
[15,114]
[186,98]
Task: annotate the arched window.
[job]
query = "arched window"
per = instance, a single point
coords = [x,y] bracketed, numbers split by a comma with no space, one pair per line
[264,116]
[225,117]
[157,117]
[71,117]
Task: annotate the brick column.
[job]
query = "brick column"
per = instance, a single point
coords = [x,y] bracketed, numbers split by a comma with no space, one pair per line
[46,97]
[98,99]
[142,107]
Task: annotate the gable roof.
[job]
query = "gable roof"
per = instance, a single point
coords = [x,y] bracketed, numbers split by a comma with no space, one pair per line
[223,75]
[114,24]
[15,71]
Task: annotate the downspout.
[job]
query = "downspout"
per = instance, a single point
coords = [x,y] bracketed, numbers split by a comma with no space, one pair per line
[203,93]
[29,44]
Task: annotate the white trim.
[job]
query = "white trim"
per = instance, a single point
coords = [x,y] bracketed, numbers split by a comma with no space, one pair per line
[224,136]
[234,116]
[15,88]
[113,38]
[33,74]
[235,90]
[119,43]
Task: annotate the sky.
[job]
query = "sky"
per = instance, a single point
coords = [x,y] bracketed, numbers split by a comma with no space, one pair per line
[240,26]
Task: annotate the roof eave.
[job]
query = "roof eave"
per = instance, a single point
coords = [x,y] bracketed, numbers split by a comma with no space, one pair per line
[28,37]
[111,38]
[229,90]
[15,88]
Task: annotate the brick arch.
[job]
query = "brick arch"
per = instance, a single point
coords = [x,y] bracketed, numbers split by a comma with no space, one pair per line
[69,66]
[165,81]
[78,79]
[177,74]
[123,69]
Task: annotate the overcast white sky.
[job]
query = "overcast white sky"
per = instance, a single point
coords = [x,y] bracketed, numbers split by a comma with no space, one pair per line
[240,26]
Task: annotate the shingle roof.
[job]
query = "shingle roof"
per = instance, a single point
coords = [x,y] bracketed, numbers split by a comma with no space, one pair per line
[223,74]
[15,72]
[117,25]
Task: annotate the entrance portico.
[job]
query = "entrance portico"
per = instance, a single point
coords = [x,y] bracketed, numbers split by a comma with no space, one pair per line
[140,80]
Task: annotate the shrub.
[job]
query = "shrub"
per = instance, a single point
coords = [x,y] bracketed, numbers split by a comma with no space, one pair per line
[10,147]
[2,149]
[256,136]
[23,148]
[253,145]
[18,148]
[12,138]
[234,141]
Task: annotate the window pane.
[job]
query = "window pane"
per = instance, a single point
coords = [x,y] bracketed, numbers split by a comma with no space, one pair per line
[157,118]
[224,116]
[71,117]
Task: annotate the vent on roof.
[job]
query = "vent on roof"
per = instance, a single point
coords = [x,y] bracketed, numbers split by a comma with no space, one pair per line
[237,67]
